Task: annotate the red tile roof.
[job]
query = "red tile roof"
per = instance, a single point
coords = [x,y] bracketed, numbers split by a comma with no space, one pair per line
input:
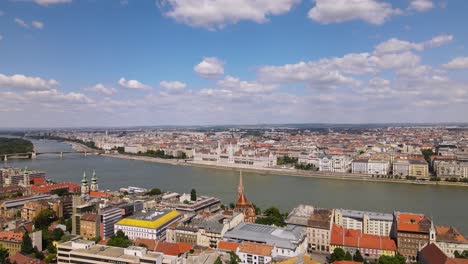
[22,259]
[11,236]
[256,248]
[354,238]
[167,248]
[228,246]
[409,222]
[100,194]
[432,254]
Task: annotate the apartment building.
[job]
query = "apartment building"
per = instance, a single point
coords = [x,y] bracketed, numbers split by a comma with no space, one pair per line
[317,222]
[368,222]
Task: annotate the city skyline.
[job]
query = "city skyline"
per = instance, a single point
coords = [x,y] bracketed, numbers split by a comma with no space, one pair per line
[109,63]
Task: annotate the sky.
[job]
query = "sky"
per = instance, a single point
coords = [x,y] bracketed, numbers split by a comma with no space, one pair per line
[73,63]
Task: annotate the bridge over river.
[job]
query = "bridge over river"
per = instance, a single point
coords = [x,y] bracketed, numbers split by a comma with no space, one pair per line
[33,154]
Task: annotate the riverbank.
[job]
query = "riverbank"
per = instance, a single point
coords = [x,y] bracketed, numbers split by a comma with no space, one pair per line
[285,172]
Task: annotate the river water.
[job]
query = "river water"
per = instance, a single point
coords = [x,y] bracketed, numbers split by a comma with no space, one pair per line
[446,205]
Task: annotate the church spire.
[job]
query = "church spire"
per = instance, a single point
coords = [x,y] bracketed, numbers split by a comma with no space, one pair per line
[240,188]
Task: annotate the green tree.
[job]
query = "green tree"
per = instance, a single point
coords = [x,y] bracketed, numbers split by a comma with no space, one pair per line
[398,259]
[348,256]
[119,239]
[154,191]
[68,224]
[44,219]
[271,216]
[26,244]
[232,205]
[358,257]
[193,195]
[4,254]
[218,260]
[427,153]
[234,259]
[337,255]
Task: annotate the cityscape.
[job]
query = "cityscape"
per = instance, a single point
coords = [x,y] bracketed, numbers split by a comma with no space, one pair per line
[233,132]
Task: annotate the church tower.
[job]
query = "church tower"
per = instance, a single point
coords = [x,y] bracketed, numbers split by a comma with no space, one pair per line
[84,185]
[243,205]
[26,179]
[94,184]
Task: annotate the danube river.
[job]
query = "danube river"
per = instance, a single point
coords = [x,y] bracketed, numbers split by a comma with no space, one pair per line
[446,205]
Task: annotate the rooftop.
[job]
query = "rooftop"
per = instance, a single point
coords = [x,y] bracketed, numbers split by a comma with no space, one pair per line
[150,219]
[288,237]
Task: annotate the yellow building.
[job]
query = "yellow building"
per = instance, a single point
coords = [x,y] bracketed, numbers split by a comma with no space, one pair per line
[418,168]
[11,241]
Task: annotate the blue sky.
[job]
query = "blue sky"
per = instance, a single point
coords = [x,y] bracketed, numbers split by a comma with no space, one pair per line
[201,62]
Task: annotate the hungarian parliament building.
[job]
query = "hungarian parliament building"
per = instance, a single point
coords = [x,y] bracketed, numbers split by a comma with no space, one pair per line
[233,156]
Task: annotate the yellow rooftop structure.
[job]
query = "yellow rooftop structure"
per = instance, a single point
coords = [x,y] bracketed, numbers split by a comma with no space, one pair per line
[152,219]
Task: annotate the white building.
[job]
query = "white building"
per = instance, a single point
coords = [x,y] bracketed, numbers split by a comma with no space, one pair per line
[378,167]
[233,156]
[368,222]
[150,224]
[449,240]
[255,253]
[359,166]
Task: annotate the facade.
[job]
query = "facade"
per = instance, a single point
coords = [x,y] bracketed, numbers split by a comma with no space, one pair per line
[108,217]
[148,224]
[288,242]
[83,251]
[78,210]
[32,209]
[412,232]
[449,240]
[401,167]
[206,232]
[378,167]
[243,205]
[11,241]
[255,253]
[370,246]
[418,168]
[317,222]
[234,156]
[368,222]
[89,226]
[359,166]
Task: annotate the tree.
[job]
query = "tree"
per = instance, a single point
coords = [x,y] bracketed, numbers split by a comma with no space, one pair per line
[337,255]
[68,224]
[44,219]
[348,256]
[193,195]
[398,259]
[154,191]
[218,260]
[119,239]
[427,153]
[4,254]
[26,244]
[232,205]
[234,258]
[272,216]
[358,257]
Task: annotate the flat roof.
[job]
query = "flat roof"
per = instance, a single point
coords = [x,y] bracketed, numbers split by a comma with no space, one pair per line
[150,219]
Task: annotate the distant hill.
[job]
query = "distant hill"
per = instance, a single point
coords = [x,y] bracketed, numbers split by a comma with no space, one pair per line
[15,145]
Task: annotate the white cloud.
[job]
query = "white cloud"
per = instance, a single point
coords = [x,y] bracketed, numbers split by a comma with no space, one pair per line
[51,2]
[439,40]
[457,64]
[395,45]
[237,85]
[100,88]
[25,82]
[210,67]
[315,74]
[133,84]
[336,11]
[214,14]
[21,23]
[38,24]
[52,96]
[173,86]
[421,5]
